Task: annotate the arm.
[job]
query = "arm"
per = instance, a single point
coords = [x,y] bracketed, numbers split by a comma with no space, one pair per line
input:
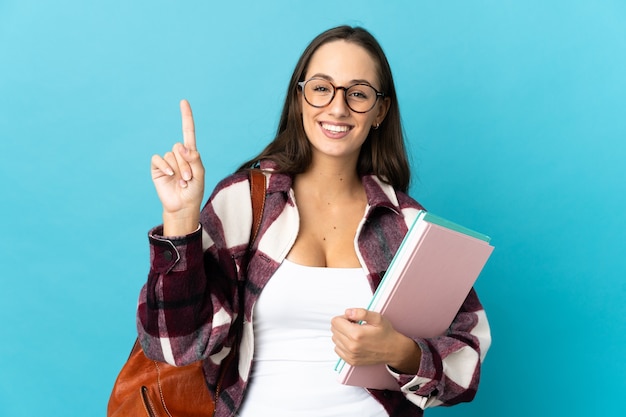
[449,369]
[185,308]
[438,371]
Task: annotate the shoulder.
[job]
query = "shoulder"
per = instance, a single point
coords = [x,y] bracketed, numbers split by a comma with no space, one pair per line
[231,195]
[239,180]
[230,184]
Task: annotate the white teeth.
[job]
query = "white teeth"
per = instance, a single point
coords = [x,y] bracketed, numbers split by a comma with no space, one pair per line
[334,128]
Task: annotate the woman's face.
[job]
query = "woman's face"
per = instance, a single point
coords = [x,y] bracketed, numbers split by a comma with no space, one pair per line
[335,130]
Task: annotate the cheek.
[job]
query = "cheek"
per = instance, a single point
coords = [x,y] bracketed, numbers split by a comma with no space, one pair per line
[309,115]
[308,122]
[367,121]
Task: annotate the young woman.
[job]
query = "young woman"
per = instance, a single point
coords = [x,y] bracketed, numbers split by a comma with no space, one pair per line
[335,212]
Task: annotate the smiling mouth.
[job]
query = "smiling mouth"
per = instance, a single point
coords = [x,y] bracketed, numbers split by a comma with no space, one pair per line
[335,128]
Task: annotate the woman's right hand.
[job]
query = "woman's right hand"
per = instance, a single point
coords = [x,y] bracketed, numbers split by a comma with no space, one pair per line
[178,177]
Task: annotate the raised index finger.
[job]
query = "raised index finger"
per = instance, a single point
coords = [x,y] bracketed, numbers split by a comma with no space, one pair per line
[189,131]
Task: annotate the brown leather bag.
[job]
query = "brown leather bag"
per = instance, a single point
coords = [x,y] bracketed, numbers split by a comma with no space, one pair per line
[145,387]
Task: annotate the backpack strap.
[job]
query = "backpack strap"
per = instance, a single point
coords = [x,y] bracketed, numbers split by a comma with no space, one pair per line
[258,187]
[257,195]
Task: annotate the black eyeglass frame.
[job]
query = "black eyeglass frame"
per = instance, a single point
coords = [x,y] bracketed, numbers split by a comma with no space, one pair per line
[301,85]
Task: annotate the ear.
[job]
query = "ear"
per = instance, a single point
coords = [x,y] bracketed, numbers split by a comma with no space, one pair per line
[383,108]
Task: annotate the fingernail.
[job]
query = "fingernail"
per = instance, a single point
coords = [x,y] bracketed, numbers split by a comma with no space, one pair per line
[169,172]
[183,183]
[186,175]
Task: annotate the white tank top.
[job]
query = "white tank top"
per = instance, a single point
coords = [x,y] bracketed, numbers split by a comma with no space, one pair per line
[293,372]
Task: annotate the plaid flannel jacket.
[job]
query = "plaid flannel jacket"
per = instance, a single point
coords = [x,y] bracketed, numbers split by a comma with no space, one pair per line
[191,297]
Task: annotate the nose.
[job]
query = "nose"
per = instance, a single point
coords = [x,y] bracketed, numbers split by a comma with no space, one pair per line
[338,106]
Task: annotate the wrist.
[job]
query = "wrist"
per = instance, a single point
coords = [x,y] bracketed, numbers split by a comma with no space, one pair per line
[408,357]
[180,224]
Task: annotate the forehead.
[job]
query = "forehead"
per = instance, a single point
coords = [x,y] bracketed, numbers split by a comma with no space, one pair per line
[343,62]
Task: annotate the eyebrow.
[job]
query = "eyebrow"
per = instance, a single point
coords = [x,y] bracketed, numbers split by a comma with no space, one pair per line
[351,82]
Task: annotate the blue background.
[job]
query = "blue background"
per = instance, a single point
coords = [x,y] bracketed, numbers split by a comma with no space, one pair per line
[515,113]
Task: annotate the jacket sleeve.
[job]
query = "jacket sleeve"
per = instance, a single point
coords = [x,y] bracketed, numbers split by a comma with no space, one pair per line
[450,366]
[186,308]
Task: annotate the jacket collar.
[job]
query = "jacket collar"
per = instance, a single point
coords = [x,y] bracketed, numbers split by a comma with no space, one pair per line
[380,194]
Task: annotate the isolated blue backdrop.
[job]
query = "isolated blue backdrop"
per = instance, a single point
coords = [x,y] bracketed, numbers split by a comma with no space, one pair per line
[515,115]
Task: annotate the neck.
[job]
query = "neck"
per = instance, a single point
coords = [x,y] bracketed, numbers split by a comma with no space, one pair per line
[331,179]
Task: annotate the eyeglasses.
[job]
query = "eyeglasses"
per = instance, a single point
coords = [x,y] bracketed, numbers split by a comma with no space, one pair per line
[360,97]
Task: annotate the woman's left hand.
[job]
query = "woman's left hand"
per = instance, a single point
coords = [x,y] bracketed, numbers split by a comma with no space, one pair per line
[363,337]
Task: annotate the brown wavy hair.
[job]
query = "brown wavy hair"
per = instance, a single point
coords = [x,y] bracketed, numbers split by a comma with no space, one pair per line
[383,153]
